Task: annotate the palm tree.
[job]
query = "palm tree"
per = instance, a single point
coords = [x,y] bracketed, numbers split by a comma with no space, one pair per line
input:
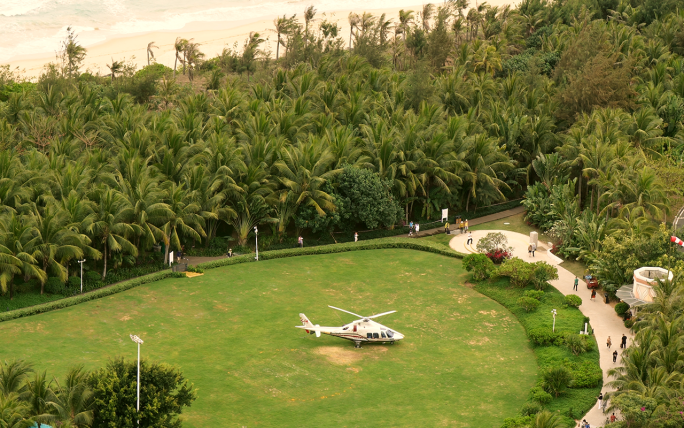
[115,67]
[425,15]
[13,376]
[179,46]
[192,56]
[546,419]
[54,243]
[282,26]
[149,51]
[14,412]
[184,219]
[14,260]
[39,397]
[354,21]
[309,14]
[486,163]
[110,225]
[73,401]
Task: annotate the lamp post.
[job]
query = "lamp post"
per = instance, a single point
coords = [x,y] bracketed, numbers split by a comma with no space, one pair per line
[256,237]
[81,263]
[139,341]
[553,311]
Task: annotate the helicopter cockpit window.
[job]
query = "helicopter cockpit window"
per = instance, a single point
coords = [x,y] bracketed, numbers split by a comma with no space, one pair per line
[390,334]
[376,336]
[346,328]
[369,335]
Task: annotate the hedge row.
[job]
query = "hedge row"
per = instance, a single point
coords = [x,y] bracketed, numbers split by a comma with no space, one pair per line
[386,243]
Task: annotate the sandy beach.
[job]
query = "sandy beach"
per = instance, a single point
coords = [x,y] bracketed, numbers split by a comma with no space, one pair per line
[212,37]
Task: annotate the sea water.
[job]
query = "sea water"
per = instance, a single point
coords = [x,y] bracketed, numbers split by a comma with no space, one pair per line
[32,27]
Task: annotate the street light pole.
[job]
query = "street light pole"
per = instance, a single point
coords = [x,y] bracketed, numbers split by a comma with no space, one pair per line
[139,341]
[553,311]
[81,263]
[256,237]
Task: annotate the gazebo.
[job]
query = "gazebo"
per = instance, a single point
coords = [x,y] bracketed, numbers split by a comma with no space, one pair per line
[641,291]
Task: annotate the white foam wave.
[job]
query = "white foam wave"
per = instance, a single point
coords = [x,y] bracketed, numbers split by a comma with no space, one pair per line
[20,7]
[86,36]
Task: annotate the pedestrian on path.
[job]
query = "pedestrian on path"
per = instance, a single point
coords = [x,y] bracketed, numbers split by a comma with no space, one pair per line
[534,248]
[600,400]
[574,287]
[446,228]
[300,241]
[466,225]
[529,251]
[609,342]
[613,418]
[356,236]
[623,345]
[470,238]
[411,228]
[462,227]
[593,294]
[615,354]
[417,228]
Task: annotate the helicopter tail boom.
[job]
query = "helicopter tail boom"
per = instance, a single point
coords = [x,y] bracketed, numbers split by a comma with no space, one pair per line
[308,326]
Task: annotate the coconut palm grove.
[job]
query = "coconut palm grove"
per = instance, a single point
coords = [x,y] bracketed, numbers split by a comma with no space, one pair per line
[572,109]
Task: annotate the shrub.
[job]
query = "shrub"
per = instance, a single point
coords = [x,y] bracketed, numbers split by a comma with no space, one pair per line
[54,286]
[535,294]
[629,323]
[74,281]
[529,409]
[573,300]
[480,265]
[621,308]
[498,256]
[540,396]
[520,272]
[585,374]
[544,337]
[493,241]
[92,276]
[577,343]
[528,303]
[556,380]
[518,422]
[195,269]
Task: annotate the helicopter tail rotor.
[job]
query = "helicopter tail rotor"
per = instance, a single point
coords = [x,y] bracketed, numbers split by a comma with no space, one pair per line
[307,323]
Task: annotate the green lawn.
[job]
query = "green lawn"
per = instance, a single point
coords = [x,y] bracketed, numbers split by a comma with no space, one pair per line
[465,361]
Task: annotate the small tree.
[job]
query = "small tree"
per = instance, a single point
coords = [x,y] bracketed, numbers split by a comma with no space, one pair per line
[493,241]
[163,394]
[480,265]
[251,53]
[573,300]
[71,54]
[543,273]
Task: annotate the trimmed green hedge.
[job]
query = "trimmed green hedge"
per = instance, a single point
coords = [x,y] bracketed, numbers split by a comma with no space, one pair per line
[377,244]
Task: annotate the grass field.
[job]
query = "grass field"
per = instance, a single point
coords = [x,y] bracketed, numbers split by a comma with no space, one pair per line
[465,360]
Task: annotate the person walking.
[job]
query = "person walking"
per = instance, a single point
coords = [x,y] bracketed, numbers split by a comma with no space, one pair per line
[574,287]
[466,225]
[462,227]
[417,229]
[446,228]
[609,342]
[356,236]
[300,241]
[593,294]
[411,228]
[615,355]
[534,248]
[600,400]
[623,345]
[613,418]
[470,238]
[529,251]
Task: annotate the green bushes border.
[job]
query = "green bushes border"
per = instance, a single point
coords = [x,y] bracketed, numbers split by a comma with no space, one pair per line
[386,243]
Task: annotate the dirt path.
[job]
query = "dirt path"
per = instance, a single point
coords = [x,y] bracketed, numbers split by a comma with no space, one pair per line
[472,222]
[604,320]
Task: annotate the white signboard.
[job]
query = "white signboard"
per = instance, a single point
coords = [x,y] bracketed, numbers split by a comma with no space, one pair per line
[170,258]
[445,214]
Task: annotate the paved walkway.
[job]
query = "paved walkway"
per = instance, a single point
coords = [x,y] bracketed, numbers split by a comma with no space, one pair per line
[472,222]
[603,318]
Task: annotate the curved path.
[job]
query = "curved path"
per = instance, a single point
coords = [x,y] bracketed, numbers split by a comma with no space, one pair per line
[603,318]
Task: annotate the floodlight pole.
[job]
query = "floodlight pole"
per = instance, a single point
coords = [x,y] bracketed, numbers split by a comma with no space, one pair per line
[256,237]
[553,311]
[139,341]
[81,263]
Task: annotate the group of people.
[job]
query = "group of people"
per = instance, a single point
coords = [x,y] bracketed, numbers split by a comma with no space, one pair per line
[531,249]
[462,226]
[413,228]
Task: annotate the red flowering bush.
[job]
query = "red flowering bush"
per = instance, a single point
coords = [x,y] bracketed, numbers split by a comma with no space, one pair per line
[498,255]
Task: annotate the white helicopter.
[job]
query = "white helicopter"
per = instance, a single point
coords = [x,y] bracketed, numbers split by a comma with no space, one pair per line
[361,330]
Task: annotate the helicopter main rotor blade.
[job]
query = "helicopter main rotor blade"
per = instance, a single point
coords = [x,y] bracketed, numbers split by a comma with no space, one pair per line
[379,315]
[352,313]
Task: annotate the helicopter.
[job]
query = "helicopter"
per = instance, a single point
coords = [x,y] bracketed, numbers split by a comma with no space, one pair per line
[361,330]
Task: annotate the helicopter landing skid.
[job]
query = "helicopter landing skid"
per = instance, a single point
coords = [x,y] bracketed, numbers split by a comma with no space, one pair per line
[357,345]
